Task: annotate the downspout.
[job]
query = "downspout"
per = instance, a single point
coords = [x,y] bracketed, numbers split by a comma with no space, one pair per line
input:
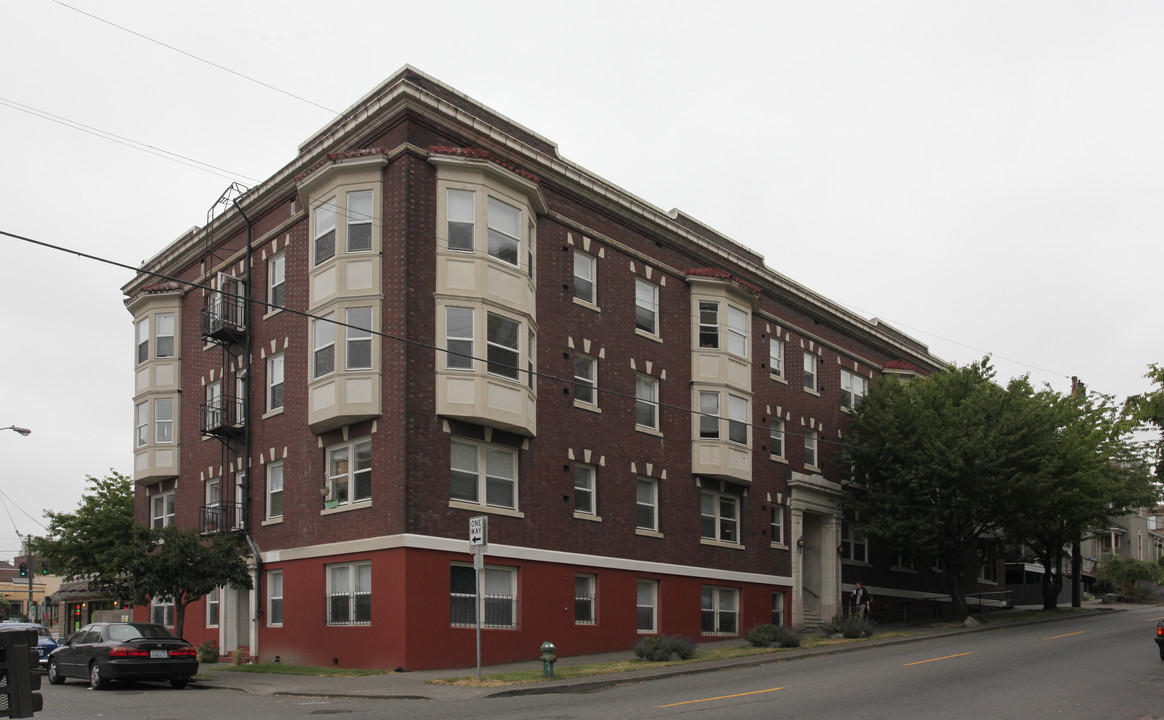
[258,607]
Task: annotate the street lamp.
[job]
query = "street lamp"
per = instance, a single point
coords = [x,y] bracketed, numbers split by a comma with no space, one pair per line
[22,430]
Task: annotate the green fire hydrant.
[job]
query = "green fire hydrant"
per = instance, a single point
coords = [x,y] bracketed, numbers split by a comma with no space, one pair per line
[548,659]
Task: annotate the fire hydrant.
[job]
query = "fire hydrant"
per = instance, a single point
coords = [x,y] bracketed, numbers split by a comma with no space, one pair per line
[548,659]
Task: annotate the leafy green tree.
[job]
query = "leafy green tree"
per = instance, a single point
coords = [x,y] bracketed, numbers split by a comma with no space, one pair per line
[932,457]
[98,540]
[182,566]
[1148,410]
[1123,573]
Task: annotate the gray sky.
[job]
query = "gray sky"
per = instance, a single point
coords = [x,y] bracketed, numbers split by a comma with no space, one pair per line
[986,176]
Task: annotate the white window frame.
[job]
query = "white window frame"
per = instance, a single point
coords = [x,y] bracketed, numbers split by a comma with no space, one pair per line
[494,469]
[162,611]
[646,401]
[503,240]
[141,423]
[497,351]
[854,387]
[585,489]
[709,419]
[349,481]
[776,438]
[810,368]
[162,509]
[776,525]
[215,405]
[585,278]
[349,589]
[275,480]
[647,503]
[275,382]
[739,424]
[585,379]
[462,357]
[454,218]
[646,307]
[646,606]
[213,505]
[737,327]
[708,325]
[714,523]
[276,282]
[498,608]
[323,346]
[776,357]
[854,546]
[324,216]
[143,340]
[164,332]
[164,420]
[811,451]
[358,335]
[274,598]
[213,608]
[585,599]
[359,218]
[719,610]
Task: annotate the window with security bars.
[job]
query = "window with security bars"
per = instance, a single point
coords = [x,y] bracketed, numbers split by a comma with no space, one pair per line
[720,611]
[584,597]
[349,594]
[498,597]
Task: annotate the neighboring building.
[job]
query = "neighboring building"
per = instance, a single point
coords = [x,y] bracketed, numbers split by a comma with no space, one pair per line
[450,320]
[16,588]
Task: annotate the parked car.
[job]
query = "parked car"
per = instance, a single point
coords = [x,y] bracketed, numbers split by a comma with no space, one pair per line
[1160,637]
[123,651]
[45,642]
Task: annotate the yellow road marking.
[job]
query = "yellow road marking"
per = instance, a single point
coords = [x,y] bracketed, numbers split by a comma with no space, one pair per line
[1056,637]
[723,697]
[921,662]
[1154,619]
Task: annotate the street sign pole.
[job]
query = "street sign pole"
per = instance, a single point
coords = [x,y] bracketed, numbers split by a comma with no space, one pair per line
[478,541]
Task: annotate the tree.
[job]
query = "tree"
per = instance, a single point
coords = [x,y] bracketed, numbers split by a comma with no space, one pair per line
[98,540]
[1079,470]
[181,566]
[932,456]
[1148,410]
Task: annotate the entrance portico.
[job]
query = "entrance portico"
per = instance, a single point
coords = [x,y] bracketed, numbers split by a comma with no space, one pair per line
[816,535]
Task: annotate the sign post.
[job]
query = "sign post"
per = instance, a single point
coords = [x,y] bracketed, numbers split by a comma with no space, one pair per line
[478,542]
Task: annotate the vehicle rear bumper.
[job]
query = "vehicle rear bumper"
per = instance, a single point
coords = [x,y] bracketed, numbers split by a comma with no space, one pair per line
[145,670]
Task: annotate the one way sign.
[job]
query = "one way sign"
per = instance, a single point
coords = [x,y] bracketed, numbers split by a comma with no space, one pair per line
[478,531]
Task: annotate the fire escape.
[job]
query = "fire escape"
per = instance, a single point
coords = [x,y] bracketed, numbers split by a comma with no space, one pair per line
[224,413]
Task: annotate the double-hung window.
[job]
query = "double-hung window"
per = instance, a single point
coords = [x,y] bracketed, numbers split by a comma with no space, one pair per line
[853,389]
[585,379]
[350,472]
[164,420]
[646,307]
[504,232]
[141,414]
[323,353]
[275,597]
[584,489]
[737,331]
[498,597]
[275,490]
[647,504]
[483,474]
[325,232]
[359,338]
[360,221]
[161,611]
[276,282]
[584,277]
[164,342]
[738,419]
[810,372]
[720,610]
[708,414]
[776,438]
[461,219]
[776,525]
[810,450]
[776,357]
[854,546]
[647,402]
[584,599]
[719,517]
[349,594]
[275,382]
[212,603]
[143,340]
[504,337]
[459,338]
[708,324]
[162,510]
[646,604]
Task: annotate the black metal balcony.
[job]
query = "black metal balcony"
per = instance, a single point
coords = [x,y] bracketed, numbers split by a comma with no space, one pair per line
[224,317]
[224,418]
[224,517]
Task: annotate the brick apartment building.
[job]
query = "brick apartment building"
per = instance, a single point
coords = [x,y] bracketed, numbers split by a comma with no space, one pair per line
[429,316]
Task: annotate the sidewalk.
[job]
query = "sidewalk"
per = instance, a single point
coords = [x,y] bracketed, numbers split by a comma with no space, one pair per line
[416,685]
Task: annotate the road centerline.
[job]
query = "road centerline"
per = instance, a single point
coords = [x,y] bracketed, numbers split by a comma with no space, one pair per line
[947,657]
[722,697]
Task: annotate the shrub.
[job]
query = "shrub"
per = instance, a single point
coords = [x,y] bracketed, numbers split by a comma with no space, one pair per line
[855,627]
[238,657]
[787,637]
[833,626]
[762,635]
[660,648]
[208,652]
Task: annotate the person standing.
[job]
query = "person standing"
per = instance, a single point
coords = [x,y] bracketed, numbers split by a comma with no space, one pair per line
[860,602]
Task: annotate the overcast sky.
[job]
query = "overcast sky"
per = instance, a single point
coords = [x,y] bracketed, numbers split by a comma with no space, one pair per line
[986,176]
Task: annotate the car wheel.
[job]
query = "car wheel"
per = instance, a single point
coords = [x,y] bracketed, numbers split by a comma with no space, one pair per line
[179,683]
[97,681]
[54,674]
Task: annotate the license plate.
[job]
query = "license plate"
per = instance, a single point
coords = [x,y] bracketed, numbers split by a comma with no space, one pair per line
[159,654]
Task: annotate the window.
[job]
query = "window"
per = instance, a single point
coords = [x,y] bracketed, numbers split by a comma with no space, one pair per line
[275,490]
[647,402]
[776,526]
[719,517]
[212,512]
[647,504]
[853,389]
[708,414]
[708,324]
[585,379]
[720,608]
[646,603]
[737,331]
[360,221]
[459,338]
[325,232]
[215,409]
[212,608]
[162,611]
[461,212]
[276,281]
[584,488]
[738,419]
[349,474]
[323,356]
[275,382]
[810,458]
[498,597]
[646,307]
[504,231]
[164,420]
[162,510]
[776,357]
[359,335]
[275,597]
[778,609]
[584,599]
[854,546]
[584,277]
[502,346]
[903,561]
[484,471]
[349,594]
[143,340]
[165,338]
[776,439]
[810,371]
[142,423]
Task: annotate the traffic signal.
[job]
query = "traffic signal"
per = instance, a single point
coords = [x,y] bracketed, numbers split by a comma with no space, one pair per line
[43,569]
[23,570]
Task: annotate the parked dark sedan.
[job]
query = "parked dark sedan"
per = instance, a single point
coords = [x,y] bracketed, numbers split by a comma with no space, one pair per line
[123,651]
[45,642]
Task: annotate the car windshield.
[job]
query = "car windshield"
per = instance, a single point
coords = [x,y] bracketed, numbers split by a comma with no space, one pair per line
[44,632]
[126,632]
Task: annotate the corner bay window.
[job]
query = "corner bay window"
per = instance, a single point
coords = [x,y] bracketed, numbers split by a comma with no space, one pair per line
[498,597]
[349,594]
[503,349]
[323,353]
[483,474]
[359,337]
[325,231]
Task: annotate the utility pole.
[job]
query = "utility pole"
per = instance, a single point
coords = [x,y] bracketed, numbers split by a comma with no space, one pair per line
[28,562]
[1076,545]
